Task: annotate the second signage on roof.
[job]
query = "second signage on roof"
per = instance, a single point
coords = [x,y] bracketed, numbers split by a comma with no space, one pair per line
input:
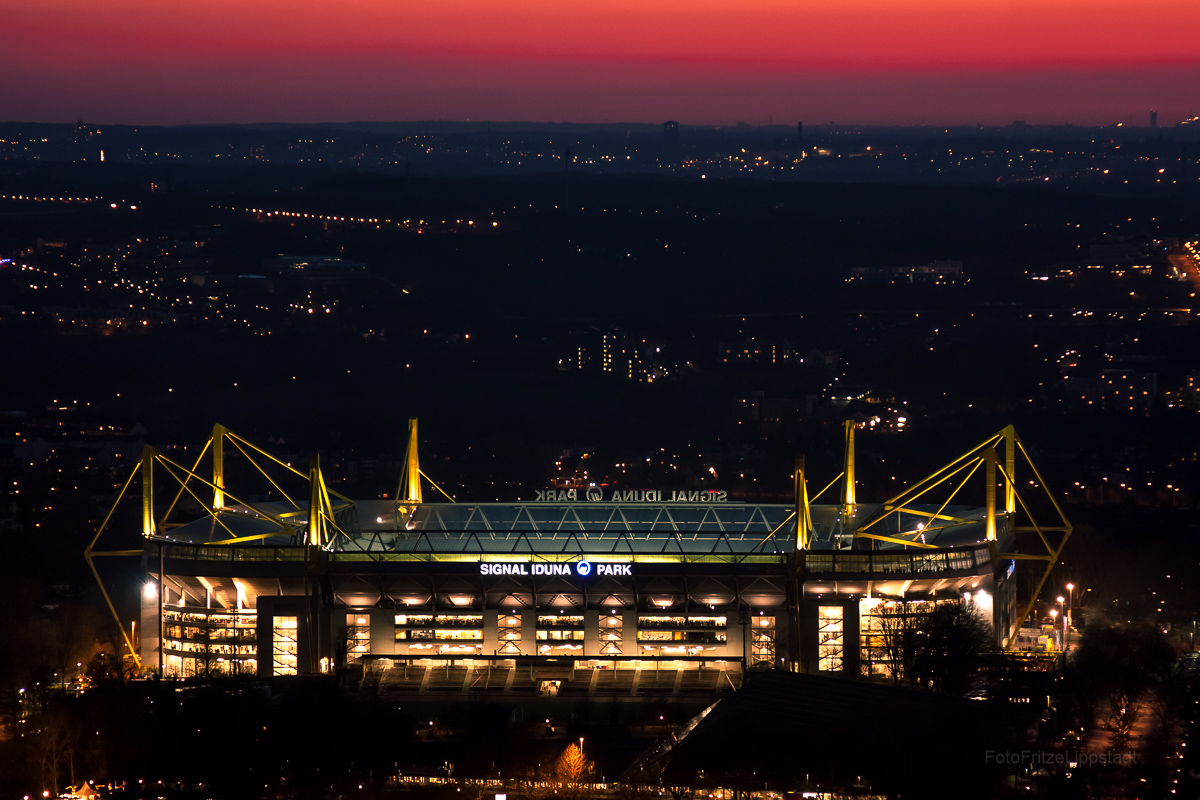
[595,494]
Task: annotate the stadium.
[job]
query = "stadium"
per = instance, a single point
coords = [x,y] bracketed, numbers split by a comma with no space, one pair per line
[631,593]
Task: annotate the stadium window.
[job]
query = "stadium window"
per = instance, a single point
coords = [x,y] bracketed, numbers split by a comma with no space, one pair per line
[830,638]
[284,646]
[358,636]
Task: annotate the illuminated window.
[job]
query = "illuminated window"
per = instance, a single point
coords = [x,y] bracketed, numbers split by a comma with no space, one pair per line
[216,643]
[762,641]
[830,638]
[283,646]
[358,636]
[509,629]
[559,634]
[469,634]
[611,634]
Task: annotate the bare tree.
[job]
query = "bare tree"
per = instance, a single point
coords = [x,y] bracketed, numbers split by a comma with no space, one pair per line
[957,639]
[679,792]
[1170,691]
[1117,666]
[537,783]
[935,645]
[632,789]
[893,628]
[58,734]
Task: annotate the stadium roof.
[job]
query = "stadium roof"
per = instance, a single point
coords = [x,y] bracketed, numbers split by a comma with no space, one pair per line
[589,528]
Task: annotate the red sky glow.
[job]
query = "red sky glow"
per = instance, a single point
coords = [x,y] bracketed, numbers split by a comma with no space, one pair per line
[699,61]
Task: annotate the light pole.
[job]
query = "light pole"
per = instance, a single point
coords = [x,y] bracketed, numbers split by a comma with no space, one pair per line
[1054,625]
[1062,600]
[1070,606]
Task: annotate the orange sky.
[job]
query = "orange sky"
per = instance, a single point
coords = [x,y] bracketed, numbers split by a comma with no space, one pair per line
[700,61]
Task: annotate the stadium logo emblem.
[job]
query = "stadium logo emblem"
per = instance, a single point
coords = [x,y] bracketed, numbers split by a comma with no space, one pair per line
[595,495]
[583,568]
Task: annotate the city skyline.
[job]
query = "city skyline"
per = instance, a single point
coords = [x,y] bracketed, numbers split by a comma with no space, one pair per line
[873,61]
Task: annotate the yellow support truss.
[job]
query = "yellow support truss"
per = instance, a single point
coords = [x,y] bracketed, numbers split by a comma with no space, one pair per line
[1000,456]
[314,524]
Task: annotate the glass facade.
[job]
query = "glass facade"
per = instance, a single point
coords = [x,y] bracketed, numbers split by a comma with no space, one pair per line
[830,638]
[358,636]
[612,634]
[677,634]
[284,646]
[439,634]
[204,643]
[508,628]
[762,641]
[559,634]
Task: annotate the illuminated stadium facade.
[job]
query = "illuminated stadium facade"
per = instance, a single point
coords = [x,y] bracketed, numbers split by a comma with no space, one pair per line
[655,592]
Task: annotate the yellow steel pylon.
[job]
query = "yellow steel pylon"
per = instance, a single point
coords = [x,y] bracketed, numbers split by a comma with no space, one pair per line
[408,491]
[156,469]
[1050,539]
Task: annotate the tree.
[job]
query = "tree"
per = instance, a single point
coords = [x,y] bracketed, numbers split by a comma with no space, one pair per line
[1170,692]
[1115,666]
[56,742]
[537,783]
[571,769]
[937,645]
[106,669]
[633,788]
[892,633]
[957,639]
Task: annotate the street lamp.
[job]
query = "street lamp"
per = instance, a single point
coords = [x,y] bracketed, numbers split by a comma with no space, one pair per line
[1070,605]
[1062,600]
[1054,622]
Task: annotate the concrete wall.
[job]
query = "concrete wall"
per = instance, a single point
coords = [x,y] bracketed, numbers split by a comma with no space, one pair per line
[383,631]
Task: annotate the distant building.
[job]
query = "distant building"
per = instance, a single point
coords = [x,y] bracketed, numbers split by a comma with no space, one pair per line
[618,356]
[612,351]
[91,253]
[935,272]
[169,248]
[671,130]
[1153,120]
[753,352]
[1128,391]
[1114,252]
[317,267]
[1120,391]
[1191,394]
